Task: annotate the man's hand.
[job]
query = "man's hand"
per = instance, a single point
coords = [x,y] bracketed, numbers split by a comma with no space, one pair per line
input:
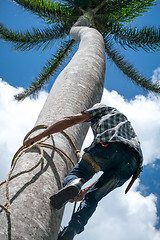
[80,196]
[31,140]
[28,142]
[82,193]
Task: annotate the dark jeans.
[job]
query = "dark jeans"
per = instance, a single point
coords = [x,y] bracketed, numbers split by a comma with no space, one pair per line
[117,161]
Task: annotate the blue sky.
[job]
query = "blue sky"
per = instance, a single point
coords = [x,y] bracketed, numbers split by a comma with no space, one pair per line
[18,69]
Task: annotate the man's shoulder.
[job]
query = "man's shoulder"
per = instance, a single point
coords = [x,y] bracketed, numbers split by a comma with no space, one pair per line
[100,108]
[102,105]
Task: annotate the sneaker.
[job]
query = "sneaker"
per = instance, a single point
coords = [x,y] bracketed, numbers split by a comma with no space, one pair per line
[67,193]
[68,233]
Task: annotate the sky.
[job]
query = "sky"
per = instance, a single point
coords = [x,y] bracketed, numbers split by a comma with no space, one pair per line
[135,215]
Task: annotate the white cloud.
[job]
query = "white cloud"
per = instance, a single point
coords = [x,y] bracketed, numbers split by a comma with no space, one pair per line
[122,217]
[156,75]
[16,119]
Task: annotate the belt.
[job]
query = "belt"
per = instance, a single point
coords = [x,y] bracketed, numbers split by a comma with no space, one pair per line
[92,162]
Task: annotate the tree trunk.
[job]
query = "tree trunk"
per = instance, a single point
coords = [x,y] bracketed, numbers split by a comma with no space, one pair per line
[77,88]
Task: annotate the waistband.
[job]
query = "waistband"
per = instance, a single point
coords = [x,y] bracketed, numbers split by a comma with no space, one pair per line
[87,157]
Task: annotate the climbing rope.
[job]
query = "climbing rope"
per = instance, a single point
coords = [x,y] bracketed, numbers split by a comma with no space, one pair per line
[39,145]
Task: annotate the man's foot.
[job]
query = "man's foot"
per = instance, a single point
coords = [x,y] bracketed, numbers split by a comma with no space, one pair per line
[70,191]
[68,233]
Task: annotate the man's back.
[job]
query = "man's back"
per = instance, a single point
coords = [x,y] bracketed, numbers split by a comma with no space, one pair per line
[110,125]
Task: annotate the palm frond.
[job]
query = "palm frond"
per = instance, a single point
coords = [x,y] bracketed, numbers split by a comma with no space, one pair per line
[46,8]
[127,10]
[79,3]
[128,69]
[49,70]
[86,4]
[133,10]
[36,38]
[147,38]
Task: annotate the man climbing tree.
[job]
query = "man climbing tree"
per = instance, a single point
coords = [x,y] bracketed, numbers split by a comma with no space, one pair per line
[115,151]
[99,25]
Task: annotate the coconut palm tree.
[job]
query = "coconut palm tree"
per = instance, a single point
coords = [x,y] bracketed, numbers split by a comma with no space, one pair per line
[78,87]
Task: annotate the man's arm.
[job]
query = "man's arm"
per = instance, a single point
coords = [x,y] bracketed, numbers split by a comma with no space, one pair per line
[59,127]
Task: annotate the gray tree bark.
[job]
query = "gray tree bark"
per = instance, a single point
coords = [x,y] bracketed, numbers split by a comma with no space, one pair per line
[78,87]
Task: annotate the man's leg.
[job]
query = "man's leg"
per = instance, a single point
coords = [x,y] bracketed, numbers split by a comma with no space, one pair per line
[111,178]
[87,207]
[80,174]
[82,170]
[106,183]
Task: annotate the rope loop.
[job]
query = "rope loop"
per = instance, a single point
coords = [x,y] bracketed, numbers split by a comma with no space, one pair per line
[39,145]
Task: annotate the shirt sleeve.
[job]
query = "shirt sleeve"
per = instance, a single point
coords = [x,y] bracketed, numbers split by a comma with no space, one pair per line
[97,111]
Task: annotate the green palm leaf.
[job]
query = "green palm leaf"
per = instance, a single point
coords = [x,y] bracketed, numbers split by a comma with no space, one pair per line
[51,68]
[35,38]
[45,8]
[50,10]
[128,69]
[147,38]
[125,11]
